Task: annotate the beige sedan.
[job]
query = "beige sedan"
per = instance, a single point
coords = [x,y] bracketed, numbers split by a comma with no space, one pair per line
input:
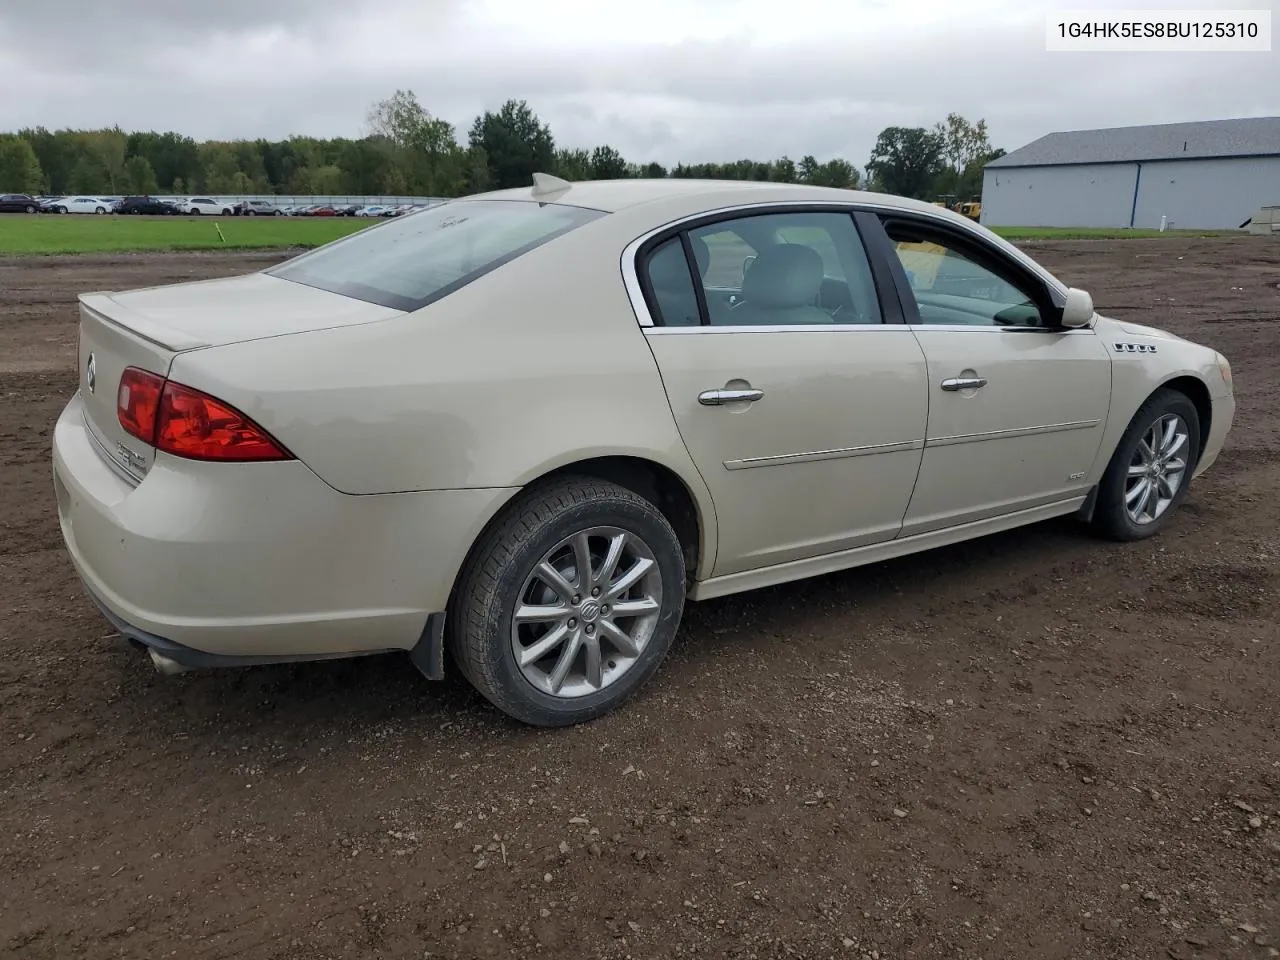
[519,430]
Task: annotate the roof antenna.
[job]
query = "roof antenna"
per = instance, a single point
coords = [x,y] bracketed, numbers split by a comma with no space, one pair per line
[544,184]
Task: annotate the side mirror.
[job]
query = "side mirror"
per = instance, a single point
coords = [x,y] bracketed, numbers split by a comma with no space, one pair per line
[746,264]
[1078,310]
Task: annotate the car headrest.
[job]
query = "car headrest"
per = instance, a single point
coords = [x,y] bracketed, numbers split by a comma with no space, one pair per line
[786,275]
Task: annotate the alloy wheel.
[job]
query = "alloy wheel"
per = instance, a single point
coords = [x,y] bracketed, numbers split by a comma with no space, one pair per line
[1157,469]
[586,612]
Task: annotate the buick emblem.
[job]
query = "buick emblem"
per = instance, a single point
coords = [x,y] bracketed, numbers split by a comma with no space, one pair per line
[91,373]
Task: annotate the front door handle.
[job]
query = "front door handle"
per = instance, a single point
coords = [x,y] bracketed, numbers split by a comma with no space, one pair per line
[717,398]
[963,383]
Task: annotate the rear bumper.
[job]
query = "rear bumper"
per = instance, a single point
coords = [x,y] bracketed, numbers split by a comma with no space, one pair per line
[427,654]
[222,564]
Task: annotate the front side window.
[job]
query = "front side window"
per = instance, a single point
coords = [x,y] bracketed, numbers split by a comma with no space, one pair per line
[409,262]
[951,287]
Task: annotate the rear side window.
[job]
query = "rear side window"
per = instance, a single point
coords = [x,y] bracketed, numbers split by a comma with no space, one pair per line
[411,261]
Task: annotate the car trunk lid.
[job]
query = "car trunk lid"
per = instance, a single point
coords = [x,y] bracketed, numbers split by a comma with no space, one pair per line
[147,328]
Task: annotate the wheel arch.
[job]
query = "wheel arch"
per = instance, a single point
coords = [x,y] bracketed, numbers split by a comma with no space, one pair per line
[662,487]
[1197,391]
[654,481]
[691,516]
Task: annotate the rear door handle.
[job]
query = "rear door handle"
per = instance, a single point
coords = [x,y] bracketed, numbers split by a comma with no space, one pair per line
[963,383]
[717,398]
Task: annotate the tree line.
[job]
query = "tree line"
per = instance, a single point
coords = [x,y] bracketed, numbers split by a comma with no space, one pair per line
[407,151]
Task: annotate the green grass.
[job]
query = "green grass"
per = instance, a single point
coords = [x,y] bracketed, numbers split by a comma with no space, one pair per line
[47,234]
[82,233]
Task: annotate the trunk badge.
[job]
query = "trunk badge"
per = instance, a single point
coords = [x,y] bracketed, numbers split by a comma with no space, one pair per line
[91,373]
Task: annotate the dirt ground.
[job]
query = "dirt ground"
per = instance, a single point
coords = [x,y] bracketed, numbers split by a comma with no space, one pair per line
[1038,745]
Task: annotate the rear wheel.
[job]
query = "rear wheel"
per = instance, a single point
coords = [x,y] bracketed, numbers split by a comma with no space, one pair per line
[1150,472]
[570,603]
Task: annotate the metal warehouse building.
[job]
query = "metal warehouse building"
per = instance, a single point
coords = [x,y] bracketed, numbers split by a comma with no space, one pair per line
[1214,174]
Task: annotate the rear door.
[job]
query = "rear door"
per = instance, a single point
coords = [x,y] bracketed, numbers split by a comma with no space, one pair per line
[806,421]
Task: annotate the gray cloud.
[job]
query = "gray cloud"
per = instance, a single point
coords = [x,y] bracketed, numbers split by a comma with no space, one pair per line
[248,68]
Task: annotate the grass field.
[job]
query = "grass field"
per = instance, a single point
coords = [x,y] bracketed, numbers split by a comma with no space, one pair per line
[45,234]
[21,234]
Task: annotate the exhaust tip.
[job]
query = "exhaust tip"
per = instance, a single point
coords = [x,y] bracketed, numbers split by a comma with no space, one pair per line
[165,665]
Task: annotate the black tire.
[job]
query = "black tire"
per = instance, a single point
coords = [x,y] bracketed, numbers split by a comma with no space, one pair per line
[61,209]
[1110,518]
[480,617]
[30,209]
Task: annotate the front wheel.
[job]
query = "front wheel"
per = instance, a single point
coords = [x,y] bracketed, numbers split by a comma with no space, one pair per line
[1150,472]
[570,603]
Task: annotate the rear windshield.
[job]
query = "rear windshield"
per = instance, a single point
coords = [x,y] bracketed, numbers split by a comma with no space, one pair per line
[415,259]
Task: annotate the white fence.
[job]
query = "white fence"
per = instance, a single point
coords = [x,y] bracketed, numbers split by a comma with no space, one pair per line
[336,200]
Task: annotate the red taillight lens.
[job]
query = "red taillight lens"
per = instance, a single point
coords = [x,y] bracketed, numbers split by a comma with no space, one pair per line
[137,402]
[185,422]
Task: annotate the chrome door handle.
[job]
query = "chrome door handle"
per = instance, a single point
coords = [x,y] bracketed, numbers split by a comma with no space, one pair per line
[964,383]
[716,398]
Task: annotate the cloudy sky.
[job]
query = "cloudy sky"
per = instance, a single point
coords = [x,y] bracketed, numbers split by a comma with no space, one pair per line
[664,80]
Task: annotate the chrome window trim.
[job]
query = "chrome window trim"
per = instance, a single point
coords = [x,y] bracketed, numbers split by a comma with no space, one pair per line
[779,328]
[992,328]
[631,276]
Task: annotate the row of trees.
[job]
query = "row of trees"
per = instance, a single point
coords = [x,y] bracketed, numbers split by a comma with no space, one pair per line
[408,151]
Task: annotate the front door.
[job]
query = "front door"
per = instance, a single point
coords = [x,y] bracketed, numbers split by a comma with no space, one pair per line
[804,410]
[1017,405]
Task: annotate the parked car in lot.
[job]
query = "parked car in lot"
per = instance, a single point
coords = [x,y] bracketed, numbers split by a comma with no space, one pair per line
[18,203]
[146,206]
[94,205]
[523,428]
[256,208]
[198,206]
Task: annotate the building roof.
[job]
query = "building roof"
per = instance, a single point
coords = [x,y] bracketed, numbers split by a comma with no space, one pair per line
[1248,137]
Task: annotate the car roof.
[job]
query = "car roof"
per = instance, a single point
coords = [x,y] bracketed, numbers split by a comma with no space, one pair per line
[614,195]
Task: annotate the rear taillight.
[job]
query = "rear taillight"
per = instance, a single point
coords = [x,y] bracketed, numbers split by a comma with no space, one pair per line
[137,402]
[186,422]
